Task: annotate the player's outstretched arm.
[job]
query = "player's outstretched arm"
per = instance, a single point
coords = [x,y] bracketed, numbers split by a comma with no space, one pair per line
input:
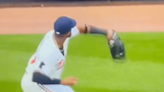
[115,43]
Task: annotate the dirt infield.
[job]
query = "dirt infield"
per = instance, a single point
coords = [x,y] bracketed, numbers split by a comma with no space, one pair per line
[134,18]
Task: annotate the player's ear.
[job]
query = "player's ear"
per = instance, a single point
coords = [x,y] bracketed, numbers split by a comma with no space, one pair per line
[69,34]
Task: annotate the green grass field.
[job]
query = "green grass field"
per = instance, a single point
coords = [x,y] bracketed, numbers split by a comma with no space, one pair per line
[89,59]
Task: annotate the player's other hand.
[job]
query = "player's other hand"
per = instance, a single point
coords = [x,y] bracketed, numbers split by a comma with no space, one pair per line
[69,81]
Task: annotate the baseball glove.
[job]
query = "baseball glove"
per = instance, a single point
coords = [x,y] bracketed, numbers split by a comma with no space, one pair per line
[117,47]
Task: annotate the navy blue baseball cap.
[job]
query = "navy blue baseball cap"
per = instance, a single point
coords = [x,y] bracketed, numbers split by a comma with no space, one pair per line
[63,25]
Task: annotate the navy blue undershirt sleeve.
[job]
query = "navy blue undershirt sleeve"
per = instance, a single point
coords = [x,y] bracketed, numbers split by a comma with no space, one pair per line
[43,79]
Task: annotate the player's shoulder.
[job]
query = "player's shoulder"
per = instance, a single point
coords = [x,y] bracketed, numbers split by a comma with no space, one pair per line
[49,36]
[47,44]
[49,33]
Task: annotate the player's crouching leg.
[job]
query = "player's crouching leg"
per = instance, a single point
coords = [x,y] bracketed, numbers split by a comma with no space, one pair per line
[58,88]
[29,86]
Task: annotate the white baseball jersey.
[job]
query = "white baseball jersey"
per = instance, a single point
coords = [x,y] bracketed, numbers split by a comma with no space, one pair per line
[48,58]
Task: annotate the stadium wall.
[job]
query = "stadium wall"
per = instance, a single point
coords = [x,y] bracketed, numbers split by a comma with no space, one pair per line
[29,3]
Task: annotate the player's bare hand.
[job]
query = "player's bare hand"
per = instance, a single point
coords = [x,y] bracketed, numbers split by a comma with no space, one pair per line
[69,81]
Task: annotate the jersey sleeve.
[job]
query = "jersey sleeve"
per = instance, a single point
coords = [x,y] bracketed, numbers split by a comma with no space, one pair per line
[74,31]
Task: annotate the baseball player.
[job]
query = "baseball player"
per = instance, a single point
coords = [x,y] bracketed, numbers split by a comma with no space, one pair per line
[45,67]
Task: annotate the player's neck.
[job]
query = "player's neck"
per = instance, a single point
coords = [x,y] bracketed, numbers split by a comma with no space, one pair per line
[59,41]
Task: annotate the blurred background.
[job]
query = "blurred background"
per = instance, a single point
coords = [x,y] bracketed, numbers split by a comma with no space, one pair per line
[74,2]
